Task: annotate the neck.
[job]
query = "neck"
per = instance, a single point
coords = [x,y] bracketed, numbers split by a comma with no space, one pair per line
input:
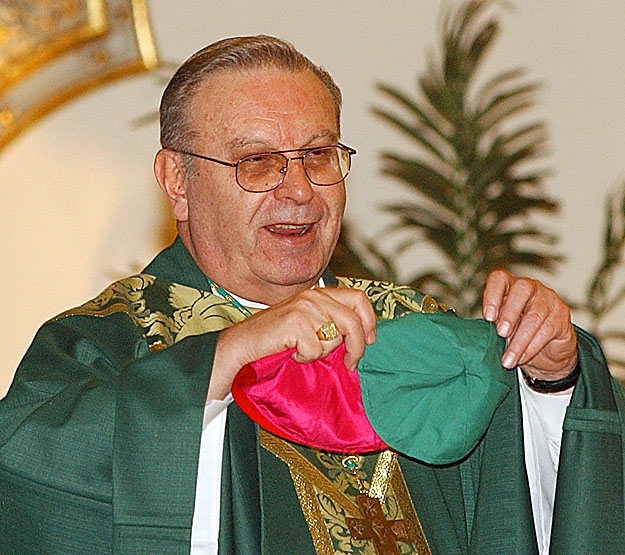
[268,294]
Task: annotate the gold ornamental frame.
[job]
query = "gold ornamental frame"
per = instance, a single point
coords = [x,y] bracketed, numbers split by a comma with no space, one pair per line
[53,51]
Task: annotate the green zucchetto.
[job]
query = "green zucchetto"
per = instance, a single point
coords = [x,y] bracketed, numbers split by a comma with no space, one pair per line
[431,384]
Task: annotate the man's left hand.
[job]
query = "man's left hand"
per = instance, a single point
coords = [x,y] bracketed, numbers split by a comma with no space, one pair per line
[535,321]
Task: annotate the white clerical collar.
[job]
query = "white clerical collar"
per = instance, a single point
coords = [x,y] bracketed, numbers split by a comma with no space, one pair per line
[254,304]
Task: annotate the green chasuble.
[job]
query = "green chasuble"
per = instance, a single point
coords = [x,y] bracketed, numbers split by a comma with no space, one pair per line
[100,432]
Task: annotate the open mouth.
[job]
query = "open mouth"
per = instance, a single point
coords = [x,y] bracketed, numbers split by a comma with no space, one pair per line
[289,230]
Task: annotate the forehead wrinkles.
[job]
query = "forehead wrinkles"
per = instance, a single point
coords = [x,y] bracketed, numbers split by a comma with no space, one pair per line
[228,98]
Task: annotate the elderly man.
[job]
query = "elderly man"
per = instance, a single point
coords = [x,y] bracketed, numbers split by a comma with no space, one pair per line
[118,434]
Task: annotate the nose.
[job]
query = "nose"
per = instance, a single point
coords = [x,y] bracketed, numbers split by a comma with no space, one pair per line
[295,184]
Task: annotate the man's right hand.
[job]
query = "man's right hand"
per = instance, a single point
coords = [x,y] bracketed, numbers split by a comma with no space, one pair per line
[294,324]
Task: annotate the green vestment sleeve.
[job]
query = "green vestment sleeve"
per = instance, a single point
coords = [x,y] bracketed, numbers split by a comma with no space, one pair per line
[99,441]
[589,514]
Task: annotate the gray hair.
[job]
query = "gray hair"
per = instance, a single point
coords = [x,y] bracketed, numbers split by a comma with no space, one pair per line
[241,53]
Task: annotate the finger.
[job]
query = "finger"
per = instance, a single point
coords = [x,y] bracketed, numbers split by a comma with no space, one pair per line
[529,336]
[556,360]
[353,332]
[353,315]
[328,332]
[329,338]
[312,353]
[517,303]
[537,347]
[305,331]
[544,332]
[552,352]
[497,285]
[360,304]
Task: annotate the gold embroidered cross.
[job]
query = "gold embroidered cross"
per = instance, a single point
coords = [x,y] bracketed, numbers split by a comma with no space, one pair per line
[383,533]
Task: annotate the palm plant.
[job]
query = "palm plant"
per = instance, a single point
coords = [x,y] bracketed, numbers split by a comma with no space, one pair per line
[473,173]
[605,293]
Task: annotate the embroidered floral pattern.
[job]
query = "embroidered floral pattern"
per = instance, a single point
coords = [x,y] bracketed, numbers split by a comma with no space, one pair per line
[392,301]
[165,312]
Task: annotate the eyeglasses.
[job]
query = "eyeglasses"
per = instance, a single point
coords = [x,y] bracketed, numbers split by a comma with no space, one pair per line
[265,171]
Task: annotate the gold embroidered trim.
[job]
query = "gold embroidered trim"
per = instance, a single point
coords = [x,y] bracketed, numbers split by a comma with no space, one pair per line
[295,460]
[381,474]
[392,301]
[408,511]
[164,312]
[105,311]
[312,513]
[308,480]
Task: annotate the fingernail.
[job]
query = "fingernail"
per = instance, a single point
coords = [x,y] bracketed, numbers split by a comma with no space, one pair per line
[350,363]
[503,328]
[490,314]
[508,360]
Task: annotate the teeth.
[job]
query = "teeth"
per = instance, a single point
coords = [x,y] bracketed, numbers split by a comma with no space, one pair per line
[295,229]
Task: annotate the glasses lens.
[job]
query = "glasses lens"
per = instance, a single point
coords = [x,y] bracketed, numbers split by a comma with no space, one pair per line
[261,172]
[327,165]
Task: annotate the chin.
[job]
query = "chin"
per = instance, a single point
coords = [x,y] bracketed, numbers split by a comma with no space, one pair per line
[295,274]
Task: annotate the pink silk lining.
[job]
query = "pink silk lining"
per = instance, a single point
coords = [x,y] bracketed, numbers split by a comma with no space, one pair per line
[317,404]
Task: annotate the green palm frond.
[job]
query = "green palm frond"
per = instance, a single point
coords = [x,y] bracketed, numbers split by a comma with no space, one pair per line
[474,171]
[605,295]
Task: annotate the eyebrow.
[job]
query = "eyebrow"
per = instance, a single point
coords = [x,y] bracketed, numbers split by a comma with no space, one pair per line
[239,143]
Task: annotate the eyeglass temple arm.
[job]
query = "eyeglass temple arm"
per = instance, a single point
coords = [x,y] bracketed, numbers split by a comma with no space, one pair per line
[222,162]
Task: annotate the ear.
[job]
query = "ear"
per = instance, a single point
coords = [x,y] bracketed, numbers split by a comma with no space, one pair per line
[171,176]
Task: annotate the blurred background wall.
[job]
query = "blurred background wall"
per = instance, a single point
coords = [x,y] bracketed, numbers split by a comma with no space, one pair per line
[80,208]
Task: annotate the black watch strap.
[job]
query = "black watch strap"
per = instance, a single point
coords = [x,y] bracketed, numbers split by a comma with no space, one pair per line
[555,386]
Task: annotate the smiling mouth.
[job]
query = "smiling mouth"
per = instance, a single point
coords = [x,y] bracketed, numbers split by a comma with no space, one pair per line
[289,230]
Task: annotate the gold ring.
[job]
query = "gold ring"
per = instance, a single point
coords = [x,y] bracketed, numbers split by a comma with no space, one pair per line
[328,331]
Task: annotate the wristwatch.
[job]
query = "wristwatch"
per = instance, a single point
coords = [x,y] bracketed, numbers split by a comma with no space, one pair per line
[555,386]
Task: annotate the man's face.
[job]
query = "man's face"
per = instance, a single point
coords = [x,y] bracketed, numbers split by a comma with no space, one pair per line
[261,246]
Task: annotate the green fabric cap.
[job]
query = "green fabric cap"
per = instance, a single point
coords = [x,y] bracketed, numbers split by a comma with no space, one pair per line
[431,384]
